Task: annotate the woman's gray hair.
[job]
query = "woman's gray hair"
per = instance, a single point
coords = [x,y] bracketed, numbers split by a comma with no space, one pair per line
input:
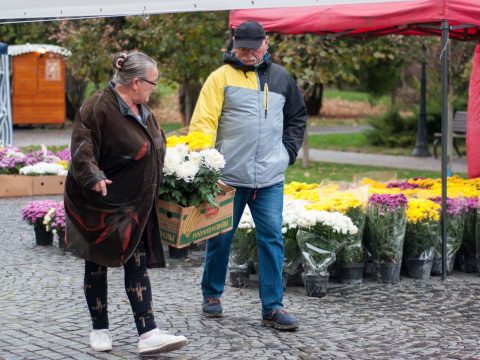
[133,65]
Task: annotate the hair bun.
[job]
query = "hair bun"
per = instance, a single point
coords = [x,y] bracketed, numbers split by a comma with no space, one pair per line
[119,61]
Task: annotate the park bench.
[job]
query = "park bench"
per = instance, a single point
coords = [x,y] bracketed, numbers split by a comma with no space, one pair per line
[459,132]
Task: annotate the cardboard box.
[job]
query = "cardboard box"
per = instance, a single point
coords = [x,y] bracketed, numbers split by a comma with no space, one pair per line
[23,185]
[15,185]
[48,185]
[182,226]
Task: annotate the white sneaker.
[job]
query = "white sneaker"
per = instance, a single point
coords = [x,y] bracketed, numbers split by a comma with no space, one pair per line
[101,340]
[160,341]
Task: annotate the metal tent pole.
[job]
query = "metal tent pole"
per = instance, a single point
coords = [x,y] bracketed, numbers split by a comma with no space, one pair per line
[444,58]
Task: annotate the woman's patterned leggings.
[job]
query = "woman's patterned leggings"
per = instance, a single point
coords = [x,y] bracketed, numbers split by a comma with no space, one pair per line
[137,286]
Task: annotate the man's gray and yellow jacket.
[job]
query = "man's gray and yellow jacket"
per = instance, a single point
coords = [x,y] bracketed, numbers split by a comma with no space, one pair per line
[258,118]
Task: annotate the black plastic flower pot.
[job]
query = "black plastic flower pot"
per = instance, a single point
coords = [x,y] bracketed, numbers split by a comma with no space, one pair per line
[239,278]
[175,253]
[419,268]
[388,273]
[43,237]
[437,265]
[351,273]
[315,284]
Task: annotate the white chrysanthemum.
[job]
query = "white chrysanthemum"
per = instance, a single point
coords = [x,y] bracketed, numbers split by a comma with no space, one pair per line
[195,157]
[246,221]
[43,168]
[187,171]
[11,153]
[213,159]
[291,211]
[174,158]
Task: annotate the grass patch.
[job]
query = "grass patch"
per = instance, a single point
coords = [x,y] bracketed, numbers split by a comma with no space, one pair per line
[319,171]
[353,96]
[170,127]
[317,121]
[358,142]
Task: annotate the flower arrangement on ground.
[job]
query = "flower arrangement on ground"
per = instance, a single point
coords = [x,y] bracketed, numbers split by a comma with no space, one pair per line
[35,211]
[455,228]
[39,162]
[386,226]
[244,245]
[321,236]
[467,253]
[191,170]
[54,220]
[422,228]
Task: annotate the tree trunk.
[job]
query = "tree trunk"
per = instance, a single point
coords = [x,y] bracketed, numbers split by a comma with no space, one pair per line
[74,93]
[313,100]
[188,96]
[305,149]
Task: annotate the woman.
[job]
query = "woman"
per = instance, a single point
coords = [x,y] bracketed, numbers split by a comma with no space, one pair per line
[110,198]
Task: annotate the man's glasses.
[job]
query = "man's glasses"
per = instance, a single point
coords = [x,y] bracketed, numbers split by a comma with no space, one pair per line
[148,81]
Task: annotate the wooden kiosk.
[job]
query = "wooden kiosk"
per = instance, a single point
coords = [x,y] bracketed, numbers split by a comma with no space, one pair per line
[38,84]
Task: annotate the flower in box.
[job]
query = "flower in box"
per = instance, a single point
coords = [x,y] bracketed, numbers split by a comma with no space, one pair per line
[422,228]
[191,170]
[43,168]
[386,220]
[12,159]
[34,212]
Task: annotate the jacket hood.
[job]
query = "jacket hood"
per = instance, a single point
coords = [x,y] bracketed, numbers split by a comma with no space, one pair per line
[230,58]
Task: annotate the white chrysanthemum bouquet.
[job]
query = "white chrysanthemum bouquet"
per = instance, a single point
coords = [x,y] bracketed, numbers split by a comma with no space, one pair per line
[191,170]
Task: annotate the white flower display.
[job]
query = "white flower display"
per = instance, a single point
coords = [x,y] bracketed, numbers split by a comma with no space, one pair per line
[246,221]
[43,168]
[295,215]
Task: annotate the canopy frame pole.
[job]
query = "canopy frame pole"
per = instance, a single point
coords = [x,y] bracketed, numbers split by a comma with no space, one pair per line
[444,73]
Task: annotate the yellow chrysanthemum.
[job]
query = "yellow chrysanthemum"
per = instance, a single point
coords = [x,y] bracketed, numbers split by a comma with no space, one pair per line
[195,140]
[422,210]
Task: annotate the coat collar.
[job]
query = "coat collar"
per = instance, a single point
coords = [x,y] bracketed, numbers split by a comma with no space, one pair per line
[125,109]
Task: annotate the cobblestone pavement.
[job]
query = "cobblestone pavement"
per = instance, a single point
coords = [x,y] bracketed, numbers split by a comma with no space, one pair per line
[44,315]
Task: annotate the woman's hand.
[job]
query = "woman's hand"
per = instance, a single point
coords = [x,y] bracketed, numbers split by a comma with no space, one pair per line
[101,186]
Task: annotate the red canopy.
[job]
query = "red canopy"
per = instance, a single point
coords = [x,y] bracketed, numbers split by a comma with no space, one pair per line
[414,17]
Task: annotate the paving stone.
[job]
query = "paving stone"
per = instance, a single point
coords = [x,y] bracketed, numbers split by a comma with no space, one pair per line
[44,314]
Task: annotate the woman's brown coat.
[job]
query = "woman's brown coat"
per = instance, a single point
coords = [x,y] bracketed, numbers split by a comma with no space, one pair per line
[109,143]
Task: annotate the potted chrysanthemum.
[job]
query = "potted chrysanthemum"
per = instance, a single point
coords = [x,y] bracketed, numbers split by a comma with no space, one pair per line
[386,221]
[420,237]
[34,214]
[455,228]
[244,251]
[467,254]
[320,237]
[191,189]
[54,221]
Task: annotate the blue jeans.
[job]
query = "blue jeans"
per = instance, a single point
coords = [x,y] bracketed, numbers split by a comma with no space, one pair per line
[266,206]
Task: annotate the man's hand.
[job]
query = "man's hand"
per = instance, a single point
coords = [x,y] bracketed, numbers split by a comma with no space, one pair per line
[101,186]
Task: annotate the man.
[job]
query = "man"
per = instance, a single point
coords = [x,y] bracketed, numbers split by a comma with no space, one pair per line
[257,116]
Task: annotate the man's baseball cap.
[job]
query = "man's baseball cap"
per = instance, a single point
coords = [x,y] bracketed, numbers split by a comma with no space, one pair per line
[249,34]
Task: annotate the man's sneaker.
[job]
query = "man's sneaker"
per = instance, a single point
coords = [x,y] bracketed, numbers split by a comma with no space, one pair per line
[101,340]
[281,320]
[159,342]
[212,307]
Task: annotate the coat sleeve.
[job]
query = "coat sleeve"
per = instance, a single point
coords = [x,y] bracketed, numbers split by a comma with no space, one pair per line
[85,149]
[294,121]
[209,106]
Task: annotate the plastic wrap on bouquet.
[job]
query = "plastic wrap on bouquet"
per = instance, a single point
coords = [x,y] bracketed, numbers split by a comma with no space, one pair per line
[386,233]
[353,252]
[292,253]
[466,257]
[318,250]
[244,249]
[455,229]
[420,240]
